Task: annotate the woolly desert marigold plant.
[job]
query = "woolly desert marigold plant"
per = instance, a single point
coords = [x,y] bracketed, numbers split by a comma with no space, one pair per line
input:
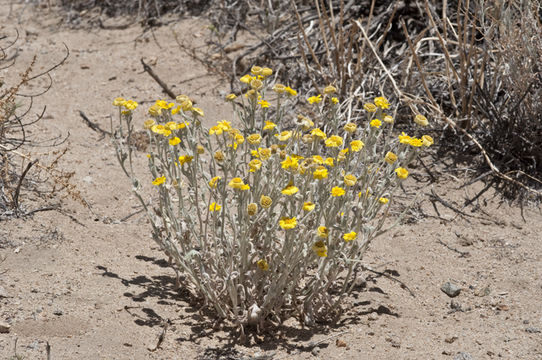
[268,215]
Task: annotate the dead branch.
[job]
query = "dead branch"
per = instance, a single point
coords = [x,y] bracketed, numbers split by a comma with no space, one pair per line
[162,84]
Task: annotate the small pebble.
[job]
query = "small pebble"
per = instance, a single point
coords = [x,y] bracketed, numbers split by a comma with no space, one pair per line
[4,327]
[58,312]
[315,351]
[533,330]
[450,289]
[3,293]
[463,356]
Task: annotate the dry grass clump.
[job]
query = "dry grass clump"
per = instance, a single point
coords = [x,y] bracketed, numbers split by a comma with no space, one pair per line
[22,175]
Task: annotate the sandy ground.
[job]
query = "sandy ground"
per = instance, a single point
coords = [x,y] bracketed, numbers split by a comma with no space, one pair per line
[95,287]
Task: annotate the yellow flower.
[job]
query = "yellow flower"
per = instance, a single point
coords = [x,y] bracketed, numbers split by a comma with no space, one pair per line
[181,98]
[337,191]
[416,142]
[255,165]
[329,162]
[421,120]
[119,101]
[264,153]
[283,136]
[256,84]
[388,119]
[382,102]
[318,133]
[187,105]
[237,136]
[231,97]
[370,107]
[159,180]
[269,125]
[262,265]
[130,104]
[317,159]
[254,139]
[320,173]
[323,232]
[402,173]
[149,124]
[252,94]
[256,70]
[160,129]
[237,183]
[342,155]
[252,209]
[330,89]
[334,141]
[155,111]
[383,200]
[200,149]
[350,127]
[350,180]
[219,156]
[290,163]
[334,100]
[264,104]
[246,79]
[172,125]
[174,141]
[290,190]
[279,88]
[320,248]
[290,91]
[265,201]
[308,206]
[350,236]
[266,72]
[176,110]
[390,157]
[214,207]
[185,159]
[376,123]
[214,181]
[288,223]
[427,140]
[315,99]
[197,111]
[404,138]
[304,122]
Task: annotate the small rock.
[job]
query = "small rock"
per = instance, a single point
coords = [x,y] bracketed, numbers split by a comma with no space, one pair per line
[482,292]
[315,351]
[462,356]
[373,316]
[3,293]
[450,289]
[4,327]
[340,343]
[451,339]
[533,330]
[58,312]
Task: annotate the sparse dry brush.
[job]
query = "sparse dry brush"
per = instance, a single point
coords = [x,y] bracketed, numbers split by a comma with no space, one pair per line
[474,65]
[22,175]
[270,219]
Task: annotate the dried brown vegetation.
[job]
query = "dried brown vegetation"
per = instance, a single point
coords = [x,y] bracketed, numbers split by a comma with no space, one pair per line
[21,173]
